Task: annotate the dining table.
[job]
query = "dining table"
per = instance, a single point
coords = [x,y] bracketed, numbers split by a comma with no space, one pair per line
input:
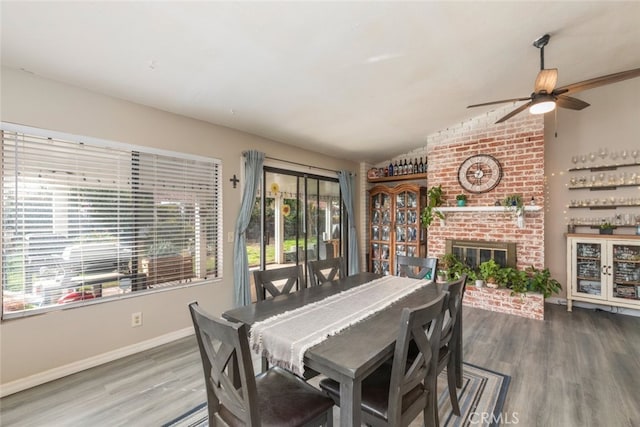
[350,355]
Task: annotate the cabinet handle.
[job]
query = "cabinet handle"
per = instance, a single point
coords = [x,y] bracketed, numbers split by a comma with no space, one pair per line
[604,270]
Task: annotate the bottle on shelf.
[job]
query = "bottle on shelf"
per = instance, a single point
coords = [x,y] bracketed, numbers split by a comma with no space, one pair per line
[410,168]
[415,165]
[396,169]
[405,167]
[390,168]
[421,166]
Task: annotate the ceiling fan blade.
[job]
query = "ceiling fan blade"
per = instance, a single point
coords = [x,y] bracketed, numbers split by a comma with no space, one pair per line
[528,98]
[571,103]
[598,81]
[516,111]
[546,80]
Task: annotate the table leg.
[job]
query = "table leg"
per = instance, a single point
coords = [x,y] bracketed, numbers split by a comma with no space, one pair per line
[350,400]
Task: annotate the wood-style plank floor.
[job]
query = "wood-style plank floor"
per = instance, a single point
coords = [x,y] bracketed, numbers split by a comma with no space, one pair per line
[573,369]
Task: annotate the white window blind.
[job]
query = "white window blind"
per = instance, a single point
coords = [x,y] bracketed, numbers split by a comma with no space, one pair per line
[85,221]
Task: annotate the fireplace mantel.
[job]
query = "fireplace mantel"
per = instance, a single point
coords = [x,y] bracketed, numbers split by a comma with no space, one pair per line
[519,218]
[445,209]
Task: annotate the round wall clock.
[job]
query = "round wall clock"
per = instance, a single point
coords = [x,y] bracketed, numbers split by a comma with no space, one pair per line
[479,173]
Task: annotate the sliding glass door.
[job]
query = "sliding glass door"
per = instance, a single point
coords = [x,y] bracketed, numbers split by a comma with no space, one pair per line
[297,217]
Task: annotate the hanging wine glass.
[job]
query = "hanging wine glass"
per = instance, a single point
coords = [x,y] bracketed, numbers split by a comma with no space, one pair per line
[592,157]
[574,159]
[601,178]
[634,154]
[583,158]
[624,154]
[603,152]
[614,156]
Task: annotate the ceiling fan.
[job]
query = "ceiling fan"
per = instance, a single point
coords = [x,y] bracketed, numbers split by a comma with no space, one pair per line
[546,96]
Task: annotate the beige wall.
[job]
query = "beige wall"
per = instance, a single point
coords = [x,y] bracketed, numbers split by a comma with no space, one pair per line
[39,344]
[612,121]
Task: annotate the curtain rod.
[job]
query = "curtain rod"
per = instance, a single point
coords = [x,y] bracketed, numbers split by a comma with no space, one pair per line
[301,164]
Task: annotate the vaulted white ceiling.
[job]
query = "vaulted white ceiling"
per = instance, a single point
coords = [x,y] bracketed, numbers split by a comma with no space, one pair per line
[359,80]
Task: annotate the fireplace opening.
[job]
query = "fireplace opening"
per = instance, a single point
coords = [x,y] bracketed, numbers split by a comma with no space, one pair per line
[475,252]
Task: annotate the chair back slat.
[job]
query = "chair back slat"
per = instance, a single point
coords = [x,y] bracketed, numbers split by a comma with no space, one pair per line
[416,267]
[456,290]
[326,270]
[422,326]
[268,282]
[221,343]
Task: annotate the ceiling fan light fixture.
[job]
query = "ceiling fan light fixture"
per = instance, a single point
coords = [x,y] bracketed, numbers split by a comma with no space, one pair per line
[542,103]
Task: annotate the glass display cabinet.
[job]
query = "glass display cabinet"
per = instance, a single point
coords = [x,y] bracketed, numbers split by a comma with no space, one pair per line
[603,270]
[394,225]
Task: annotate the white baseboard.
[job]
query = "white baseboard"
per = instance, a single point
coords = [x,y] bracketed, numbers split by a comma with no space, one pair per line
[81,365]
[609,308]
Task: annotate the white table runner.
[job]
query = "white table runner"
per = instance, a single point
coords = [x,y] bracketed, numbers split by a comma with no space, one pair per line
[283,339]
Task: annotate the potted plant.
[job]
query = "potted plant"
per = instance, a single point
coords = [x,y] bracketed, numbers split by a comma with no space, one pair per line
[489,271]
[514,202]
[442,276]
[461,199]
[541,281]
[606,228]
[429,213]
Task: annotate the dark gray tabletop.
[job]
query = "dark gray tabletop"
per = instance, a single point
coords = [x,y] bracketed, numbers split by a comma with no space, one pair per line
[349,356]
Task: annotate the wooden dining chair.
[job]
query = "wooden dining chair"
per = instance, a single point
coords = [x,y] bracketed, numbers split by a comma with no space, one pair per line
[416,267]
[451,338]
[278,281]
[326,270]
[273,398]
[397,392]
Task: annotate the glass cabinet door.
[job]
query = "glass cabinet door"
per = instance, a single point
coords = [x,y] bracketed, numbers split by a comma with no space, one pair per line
[588,268]
[407,223]
[380,232]
[625,271]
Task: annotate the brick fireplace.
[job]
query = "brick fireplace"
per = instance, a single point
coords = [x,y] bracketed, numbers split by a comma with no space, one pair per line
[518,144]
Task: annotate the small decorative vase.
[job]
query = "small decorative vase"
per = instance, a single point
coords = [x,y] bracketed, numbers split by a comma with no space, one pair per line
[461,202]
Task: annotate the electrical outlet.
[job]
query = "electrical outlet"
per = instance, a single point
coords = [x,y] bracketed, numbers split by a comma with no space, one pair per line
[136,319]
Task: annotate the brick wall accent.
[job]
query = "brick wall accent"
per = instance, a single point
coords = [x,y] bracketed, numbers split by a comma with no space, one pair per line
[518,144]
[501,301]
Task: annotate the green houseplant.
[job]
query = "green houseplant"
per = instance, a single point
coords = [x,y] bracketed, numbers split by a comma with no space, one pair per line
[541,281]
[606,228]
[514,202]
[489,271]
[461,199]
[434,199]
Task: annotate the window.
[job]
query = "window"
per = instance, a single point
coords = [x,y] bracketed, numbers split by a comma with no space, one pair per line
[85,220]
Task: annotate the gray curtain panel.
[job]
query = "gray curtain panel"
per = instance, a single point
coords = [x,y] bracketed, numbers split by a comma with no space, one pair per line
[345,178]
[253,173]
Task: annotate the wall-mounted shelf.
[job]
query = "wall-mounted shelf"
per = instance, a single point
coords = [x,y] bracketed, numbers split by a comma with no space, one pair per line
[485,209]
[599,207]
[519,217]
[604,167]
[596,227]
[603,187]
[411,177]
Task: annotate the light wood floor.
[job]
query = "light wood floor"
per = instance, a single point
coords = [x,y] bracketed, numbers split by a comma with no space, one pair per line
[573,369]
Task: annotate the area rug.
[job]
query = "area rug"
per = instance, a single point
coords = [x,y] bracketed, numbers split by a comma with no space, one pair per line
[481,399]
